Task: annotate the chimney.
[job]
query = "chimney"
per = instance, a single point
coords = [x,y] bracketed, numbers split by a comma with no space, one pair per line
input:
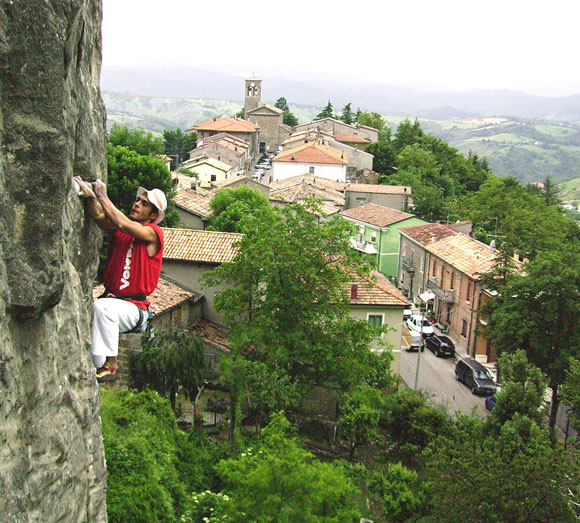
[354,291]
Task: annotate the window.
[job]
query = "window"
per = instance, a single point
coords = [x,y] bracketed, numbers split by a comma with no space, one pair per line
[262,147]
[451,285]
[213,177]
[422,263]
[376,320]
[464,328]
[361,199]
[468,293]
[311,169]
[373,236]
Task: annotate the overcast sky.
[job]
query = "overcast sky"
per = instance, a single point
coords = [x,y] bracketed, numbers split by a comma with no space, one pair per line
[527,45]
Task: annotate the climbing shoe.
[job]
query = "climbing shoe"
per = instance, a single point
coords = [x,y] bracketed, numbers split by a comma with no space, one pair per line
[106,375]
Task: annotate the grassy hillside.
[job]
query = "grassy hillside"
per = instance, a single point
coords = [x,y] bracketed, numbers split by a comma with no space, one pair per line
[570,191]
[529,150]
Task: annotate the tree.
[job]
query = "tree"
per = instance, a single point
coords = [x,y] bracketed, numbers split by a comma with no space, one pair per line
[571,391]
[284,295]
[282,482]
[177,145]
[384,161]
[232,207]
[374,120]
[360,417]
[514,475]
[538,310]
[288,118]
[138,140]
[327,112]
[522,390]
[189,143]
[551,194]
[169,363]
[347,115]
[285,301]
[128,170]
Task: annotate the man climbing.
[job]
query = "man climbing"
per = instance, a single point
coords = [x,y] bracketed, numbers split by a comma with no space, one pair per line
[131,272]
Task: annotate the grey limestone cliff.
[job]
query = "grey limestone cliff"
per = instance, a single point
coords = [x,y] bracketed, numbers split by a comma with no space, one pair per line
[52,126]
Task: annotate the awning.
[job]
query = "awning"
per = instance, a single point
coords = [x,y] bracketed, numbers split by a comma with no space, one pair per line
[427,296]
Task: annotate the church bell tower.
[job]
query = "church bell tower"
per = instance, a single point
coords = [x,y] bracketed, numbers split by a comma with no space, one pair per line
[252,94]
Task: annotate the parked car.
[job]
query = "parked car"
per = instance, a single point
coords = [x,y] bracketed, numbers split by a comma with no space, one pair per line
[490,403]
[414,324]
[440,346]
[475,376]
[263,165]
[416,342]
[259,172]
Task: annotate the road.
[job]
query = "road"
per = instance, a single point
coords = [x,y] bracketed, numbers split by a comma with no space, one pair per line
[437,379]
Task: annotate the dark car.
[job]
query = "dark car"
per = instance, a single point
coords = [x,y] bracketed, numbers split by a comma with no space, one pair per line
[490,403]
[440,346]
[475,376]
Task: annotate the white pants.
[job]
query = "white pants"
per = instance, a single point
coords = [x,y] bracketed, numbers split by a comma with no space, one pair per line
[110,317]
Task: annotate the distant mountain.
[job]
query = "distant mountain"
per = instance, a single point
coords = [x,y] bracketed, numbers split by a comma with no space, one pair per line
[317,90]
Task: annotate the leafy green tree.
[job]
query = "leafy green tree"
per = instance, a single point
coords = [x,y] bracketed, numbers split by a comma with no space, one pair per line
[128,170]
[268,389]
[551,194]
[233,207]
[281,482]
[412,422]
[189,143]
[374,120]
[284,294]
[171,362]
[384,161]
[407,134]
[538,310]
[401,496]
[138,140]
[285,301]
[240,113]
[515,475]
[289,118]
[347,115]
[522,391]
[571,391]
[359,418]
[327,112]
[142,447]
[177,145]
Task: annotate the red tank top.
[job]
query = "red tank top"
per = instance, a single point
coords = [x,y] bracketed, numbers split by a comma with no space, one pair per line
[130,269]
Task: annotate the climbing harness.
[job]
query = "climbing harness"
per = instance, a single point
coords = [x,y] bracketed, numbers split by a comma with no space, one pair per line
[145,322]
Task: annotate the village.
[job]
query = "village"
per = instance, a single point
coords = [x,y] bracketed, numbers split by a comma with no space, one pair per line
[419,268]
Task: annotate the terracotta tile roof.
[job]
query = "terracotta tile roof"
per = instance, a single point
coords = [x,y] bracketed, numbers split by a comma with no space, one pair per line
[222,144]
[350,138]
[313,153]
[308,134]
[376,290]
[427,233]
[224,183]
[464,253]
[227,124]
[225,137]
[194,202]
[213,162]
[200,246]
[213,334]
[315,181]
[378,189]
[165,297]
[376,215]
[302,190]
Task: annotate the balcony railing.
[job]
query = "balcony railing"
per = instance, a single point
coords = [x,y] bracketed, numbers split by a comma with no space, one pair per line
[408,265]
[362,246]
[445,295]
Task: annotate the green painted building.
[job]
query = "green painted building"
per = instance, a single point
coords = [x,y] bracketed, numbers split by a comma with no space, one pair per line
[378,234]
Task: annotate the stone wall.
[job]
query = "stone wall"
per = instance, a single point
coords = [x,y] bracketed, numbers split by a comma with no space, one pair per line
[52,126]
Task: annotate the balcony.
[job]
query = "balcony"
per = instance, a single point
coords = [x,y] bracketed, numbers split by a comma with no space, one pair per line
[408,265]
[445,295]
[362,246]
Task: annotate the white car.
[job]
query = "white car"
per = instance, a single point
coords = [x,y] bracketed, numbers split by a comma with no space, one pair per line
[414,324]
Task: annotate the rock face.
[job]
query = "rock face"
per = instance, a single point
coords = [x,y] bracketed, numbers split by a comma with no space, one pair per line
[52,126]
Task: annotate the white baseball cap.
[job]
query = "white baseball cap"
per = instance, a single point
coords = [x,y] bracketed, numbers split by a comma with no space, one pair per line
[157,198]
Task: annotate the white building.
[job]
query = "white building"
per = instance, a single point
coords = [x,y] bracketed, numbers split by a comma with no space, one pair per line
[312,158]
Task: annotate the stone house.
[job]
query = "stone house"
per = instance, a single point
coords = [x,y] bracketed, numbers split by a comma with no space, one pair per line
[451,270]
[338,127]
[379,233]
[358,160]
[220,151]
[307,136]
[394,196]
[193,208]
[353,140]
[238,181]
[188,254]
[313,158]
[247,132]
